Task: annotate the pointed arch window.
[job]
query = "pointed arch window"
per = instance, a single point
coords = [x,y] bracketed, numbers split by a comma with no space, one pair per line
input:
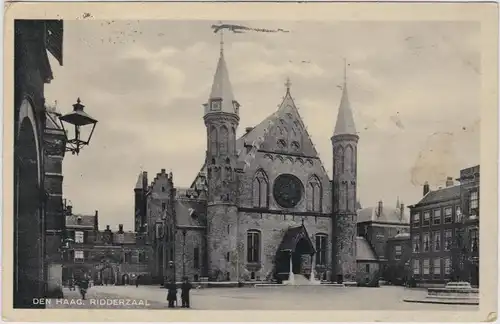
[232,141]
[348,158]
[213,140]
[314,194]
[224,140]
[339,160]
[260,189]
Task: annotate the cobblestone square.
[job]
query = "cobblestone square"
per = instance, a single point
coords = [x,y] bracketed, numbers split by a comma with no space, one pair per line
[272,298]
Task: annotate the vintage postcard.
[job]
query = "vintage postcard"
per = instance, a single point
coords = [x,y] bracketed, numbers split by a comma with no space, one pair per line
[250,162]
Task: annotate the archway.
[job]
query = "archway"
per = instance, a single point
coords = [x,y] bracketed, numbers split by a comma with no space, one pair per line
[125,279]
[107,274]
[28,214]
[301,248]
[295,244]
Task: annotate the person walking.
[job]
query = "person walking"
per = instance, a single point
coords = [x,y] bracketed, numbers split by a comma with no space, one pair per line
[172,294]
[83,285]
[185,288]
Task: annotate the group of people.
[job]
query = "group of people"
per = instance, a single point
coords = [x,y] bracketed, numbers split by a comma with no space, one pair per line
[172,293]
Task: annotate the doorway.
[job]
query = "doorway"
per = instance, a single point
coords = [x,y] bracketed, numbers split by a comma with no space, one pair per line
[28,218]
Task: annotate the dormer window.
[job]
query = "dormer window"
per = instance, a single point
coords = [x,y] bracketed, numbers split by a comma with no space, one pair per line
[79,219]
[215,105]
[236,107]
[295,145]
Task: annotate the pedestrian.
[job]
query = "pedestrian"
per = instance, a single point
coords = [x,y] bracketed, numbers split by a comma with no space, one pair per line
[137,281]
[185,288]
[83,285]
[172,294]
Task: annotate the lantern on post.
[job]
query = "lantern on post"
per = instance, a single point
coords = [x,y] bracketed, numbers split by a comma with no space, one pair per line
[78,118]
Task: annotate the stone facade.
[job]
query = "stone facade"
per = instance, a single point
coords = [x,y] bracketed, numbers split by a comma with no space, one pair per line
[264,200]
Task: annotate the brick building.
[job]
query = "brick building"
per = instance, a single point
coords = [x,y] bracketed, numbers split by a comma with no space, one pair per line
[37,164]
[108,257]
[380,223]
[444,231]
[258,201]
[399,252]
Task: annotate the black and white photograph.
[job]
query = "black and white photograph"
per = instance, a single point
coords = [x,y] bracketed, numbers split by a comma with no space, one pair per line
[215,163]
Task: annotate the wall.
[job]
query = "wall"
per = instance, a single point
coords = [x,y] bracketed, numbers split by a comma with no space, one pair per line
[367,277]
[378,235]
[194,238]
[273,228]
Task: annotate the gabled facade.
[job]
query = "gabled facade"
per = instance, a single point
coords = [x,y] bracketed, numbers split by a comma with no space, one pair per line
[238,220]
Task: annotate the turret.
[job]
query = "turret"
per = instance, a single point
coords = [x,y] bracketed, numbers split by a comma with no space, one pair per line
[221,116]
[344,146]
[221,120]
[140,201]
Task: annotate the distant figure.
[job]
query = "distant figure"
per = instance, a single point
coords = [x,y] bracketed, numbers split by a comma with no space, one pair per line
[83,285]
[172,294]
[185,288]
[137,282]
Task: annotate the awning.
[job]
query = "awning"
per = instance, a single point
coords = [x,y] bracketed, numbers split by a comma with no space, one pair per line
[291,240]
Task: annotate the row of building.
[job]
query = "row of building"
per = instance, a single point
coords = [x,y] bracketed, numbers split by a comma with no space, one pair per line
[436,242]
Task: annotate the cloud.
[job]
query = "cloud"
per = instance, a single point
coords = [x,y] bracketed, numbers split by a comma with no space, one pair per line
[146,81]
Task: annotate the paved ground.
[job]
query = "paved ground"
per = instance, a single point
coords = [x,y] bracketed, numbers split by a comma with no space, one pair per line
[270,298]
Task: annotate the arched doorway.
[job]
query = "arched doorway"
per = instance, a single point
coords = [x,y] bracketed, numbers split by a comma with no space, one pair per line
[107,275]
[28,213]
[125,279]
[301,248]
[295,245]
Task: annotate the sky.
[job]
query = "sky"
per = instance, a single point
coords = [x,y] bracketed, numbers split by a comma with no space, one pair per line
[414,88]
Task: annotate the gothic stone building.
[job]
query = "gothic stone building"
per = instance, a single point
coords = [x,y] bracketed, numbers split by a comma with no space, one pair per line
[259,203]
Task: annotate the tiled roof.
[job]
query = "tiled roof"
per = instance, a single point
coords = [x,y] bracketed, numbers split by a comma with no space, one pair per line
[345,121]
[80,221]
[264,133]
[221,87]
[389,215]
[447,193]
[292,236]
[190,212]
[364,252]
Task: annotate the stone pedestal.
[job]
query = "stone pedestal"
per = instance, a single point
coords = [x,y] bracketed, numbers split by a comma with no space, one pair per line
[458,293]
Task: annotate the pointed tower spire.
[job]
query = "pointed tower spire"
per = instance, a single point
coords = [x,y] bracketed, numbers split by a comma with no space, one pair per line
[221,96]
[138,185]
[345,121]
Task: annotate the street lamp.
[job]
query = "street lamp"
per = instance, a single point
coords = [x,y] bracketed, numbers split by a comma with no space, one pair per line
[77,118]
[183,253]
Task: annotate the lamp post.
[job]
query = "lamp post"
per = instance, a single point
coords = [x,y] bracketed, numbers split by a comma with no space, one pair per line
[77,118]
[183,253]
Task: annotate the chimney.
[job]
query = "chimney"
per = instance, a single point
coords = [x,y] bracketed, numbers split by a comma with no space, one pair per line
[380,208]
[107,228]
[449,182]
[69,210]
[248,129]
[144,180]
[426,188]
[163,171]
[120,228]
[96,221]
